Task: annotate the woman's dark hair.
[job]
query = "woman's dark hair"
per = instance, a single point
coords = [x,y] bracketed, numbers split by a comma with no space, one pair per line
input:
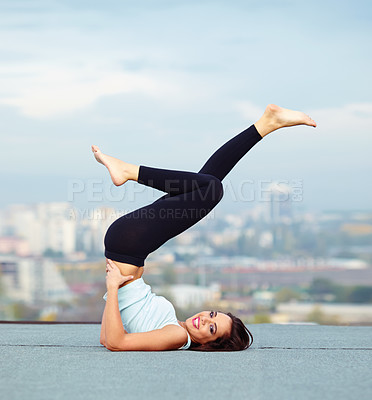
[240,338]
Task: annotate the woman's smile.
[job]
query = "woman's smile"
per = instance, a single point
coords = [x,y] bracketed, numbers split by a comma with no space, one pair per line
[196,322]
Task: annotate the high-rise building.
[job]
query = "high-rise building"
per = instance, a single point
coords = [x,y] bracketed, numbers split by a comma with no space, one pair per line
[279,203]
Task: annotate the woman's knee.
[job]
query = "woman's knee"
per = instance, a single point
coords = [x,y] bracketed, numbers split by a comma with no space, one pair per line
[219,189]
[214,190]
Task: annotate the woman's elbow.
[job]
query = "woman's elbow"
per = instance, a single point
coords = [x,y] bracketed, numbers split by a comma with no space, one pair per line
[114,346]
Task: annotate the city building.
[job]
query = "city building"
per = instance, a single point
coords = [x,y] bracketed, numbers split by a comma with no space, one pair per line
[279,202]
[45,226]
[185,296]
[32,280]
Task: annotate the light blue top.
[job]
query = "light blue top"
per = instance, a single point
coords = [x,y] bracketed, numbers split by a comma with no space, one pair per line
[144,311]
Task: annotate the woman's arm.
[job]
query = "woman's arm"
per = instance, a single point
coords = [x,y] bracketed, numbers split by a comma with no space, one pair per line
[171,337]
[103,328]
[114,329]
[113,280]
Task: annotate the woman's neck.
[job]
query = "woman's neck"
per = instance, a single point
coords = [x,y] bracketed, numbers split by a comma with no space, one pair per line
[183,324]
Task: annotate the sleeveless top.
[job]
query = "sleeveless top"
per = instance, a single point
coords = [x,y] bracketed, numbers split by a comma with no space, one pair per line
[144,311]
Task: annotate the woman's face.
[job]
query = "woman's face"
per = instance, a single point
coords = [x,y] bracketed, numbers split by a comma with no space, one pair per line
[207,326]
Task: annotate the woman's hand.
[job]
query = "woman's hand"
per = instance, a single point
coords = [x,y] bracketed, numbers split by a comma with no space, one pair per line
[113,276]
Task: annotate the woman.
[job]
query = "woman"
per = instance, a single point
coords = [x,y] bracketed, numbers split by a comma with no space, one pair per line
[136,319]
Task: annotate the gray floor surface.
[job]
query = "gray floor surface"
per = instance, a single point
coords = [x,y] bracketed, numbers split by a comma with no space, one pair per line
[285,362]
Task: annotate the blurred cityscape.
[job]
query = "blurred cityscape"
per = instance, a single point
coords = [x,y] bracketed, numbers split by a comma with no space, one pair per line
[269,263]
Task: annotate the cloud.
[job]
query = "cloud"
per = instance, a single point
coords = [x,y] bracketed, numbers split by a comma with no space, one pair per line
[355,118]
[44,91]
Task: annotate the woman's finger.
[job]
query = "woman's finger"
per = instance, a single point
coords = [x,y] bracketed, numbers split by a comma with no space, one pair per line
[112,266]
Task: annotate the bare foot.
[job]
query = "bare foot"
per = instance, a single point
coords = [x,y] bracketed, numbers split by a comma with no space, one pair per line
[120,171]
[276,117]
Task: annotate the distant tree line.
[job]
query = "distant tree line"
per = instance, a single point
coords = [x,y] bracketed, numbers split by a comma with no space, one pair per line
[324,290]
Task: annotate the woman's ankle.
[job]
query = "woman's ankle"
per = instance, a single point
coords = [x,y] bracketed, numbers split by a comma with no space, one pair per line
[133,172]
[264,127]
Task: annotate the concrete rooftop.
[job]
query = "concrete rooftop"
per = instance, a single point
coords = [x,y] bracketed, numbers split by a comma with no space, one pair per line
[285,362]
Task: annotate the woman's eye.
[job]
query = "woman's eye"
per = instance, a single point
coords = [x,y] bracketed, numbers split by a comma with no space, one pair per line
[211,314]
[211,328]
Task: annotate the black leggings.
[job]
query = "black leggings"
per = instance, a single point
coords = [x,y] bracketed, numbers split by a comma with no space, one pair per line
[190,197]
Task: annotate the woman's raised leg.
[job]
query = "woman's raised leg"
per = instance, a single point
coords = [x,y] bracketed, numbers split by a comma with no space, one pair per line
[173,182]
[228,155]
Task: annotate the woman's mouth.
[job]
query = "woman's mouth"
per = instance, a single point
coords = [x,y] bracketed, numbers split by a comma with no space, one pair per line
[196,322]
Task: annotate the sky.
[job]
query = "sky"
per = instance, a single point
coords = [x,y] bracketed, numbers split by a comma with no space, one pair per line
[165,83]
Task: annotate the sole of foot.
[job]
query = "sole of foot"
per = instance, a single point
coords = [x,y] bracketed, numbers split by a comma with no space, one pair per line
[117,168]
[282,117]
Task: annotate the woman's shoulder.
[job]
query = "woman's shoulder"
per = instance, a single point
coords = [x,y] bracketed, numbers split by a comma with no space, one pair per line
[175,329]
[178,332]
